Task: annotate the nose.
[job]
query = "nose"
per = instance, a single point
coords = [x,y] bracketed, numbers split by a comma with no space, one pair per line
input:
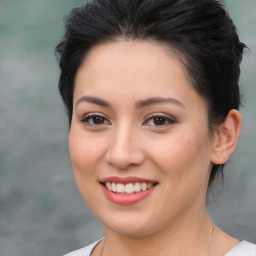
[125,148]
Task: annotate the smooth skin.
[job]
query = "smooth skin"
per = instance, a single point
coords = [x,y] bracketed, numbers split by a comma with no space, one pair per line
[137,114]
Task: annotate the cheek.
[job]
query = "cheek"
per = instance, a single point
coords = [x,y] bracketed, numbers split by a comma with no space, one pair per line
[184,163]
[184,156]
[85,156]
[84,153]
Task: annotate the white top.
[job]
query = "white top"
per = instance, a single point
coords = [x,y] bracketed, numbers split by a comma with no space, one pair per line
[244,248]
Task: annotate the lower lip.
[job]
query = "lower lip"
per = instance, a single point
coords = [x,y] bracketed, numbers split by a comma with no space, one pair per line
[126,199]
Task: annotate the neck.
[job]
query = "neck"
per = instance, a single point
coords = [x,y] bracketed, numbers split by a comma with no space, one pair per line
[188,238]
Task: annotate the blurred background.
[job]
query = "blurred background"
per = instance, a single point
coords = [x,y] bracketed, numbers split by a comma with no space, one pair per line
[41,211]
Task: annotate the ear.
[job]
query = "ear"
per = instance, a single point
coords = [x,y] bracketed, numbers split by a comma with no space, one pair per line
[225,138]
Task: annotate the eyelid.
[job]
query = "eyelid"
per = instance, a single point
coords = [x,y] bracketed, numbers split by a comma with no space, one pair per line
[84,119]
[169,118]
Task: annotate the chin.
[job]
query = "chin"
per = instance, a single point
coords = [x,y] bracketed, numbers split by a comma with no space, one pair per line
[131,231]
[134,226]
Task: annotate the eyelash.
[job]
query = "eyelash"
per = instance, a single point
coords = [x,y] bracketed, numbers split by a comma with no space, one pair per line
[167,120]
[86,120]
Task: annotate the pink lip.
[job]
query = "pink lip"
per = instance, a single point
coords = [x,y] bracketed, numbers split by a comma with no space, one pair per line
[126,180]
[126,199]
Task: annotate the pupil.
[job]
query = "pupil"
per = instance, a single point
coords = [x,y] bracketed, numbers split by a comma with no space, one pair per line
[159,121]
[98,120]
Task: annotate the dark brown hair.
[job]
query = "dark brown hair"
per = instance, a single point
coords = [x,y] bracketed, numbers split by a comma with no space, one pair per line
[201,31]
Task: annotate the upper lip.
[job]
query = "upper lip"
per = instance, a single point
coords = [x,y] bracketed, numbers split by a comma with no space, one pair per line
[127,180]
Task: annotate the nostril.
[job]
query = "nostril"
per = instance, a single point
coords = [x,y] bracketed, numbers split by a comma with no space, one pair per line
[124,160]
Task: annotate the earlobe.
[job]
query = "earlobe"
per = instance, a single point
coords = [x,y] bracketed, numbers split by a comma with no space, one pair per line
[226,137]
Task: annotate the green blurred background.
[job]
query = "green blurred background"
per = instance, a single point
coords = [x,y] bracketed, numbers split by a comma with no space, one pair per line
[41,211]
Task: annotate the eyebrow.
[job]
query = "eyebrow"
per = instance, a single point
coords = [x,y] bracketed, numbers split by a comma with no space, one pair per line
[138,104]
[94,100]
[158,100]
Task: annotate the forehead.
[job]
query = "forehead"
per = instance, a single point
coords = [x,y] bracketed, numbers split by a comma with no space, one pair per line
[137,53]
[136,68]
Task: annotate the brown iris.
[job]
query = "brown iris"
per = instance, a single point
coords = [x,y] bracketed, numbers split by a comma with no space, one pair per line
[98,120]
[159,121]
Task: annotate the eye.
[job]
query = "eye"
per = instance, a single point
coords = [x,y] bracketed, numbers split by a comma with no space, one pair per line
[95,120]
[159,121]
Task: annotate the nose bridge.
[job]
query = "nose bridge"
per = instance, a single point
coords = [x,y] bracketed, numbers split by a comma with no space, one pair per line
[124,149]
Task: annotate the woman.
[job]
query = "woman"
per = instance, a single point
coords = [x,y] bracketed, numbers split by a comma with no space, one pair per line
[151,91]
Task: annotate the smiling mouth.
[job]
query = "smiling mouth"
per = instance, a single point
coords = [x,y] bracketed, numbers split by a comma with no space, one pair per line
[129,188]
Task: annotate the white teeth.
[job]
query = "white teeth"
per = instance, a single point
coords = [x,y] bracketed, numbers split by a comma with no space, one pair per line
[120,188]
[144,186]
[137,187]
[113,187]
[150,185]
[108,185]
[128,188]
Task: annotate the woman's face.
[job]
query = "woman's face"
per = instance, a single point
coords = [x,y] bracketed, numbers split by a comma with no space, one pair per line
[139,129]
